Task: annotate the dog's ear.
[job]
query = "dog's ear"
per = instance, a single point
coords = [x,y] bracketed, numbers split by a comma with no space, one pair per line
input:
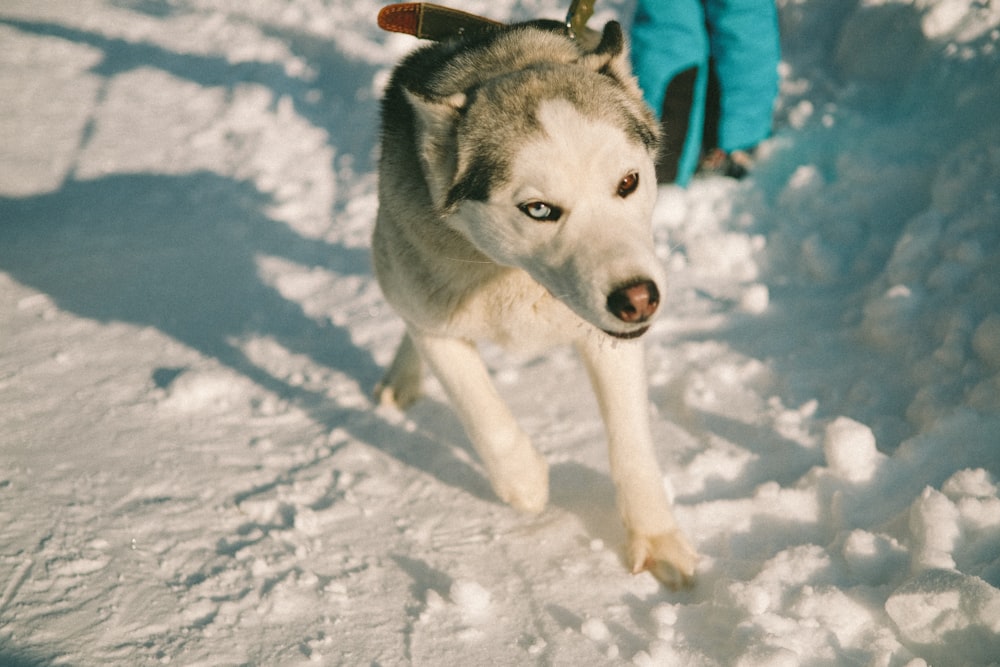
[435,120]
[610,56]
[433,112]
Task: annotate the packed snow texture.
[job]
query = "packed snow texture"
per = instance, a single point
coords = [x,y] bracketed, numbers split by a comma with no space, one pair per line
[191,468]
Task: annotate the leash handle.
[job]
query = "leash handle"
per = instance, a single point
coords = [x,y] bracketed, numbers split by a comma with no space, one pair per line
[426,20]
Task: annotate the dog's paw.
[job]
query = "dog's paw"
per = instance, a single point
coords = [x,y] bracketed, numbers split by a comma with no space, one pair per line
[401,390]
[523,482]
[667,556]
[400,386]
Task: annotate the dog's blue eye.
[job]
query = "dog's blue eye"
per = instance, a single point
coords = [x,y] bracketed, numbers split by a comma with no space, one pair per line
[628,185]
[539,210]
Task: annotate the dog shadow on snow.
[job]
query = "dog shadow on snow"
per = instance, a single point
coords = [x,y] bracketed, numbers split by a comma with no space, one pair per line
[179,253]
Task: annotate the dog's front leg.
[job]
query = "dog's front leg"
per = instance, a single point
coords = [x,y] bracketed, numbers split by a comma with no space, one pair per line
[655,543]
[401,383]
[518,474]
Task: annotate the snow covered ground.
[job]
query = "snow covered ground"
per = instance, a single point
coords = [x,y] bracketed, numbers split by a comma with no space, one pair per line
[191,470]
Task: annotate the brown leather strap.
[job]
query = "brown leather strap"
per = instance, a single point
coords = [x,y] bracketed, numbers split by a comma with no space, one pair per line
[429,21]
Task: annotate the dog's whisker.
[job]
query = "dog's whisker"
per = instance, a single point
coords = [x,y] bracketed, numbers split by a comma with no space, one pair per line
[672,247]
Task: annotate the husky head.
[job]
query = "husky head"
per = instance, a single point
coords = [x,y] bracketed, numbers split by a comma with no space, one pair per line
[548,167]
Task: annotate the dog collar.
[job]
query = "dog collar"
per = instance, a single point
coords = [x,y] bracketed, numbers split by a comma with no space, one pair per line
[426,20]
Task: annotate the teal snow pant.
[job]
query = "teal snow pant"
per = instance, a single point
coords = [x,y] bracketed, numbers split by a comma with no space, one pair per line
[709,68]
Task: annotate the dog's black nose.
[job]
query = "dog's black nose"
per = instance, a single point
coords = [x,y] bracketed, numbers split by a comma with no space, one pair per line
[634,302]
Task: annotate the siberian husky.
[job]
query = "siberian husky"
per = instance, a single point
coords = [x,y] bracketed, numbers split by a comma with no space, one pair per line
[516,188]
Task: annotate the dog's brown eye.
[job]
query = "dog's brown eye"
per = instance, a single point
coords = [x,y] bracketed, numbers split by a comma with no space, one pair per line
[628,185]
[539,210]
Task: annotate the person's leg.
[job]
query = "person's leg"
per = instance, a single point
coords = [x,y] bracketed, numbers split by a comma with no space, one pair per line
[670,57]
[710,134]
[714,160]
[743,40]
[679,112]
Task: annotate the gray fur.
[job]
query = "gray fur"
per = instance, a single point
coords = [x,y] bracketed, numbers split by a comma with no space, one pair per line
[464,106]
